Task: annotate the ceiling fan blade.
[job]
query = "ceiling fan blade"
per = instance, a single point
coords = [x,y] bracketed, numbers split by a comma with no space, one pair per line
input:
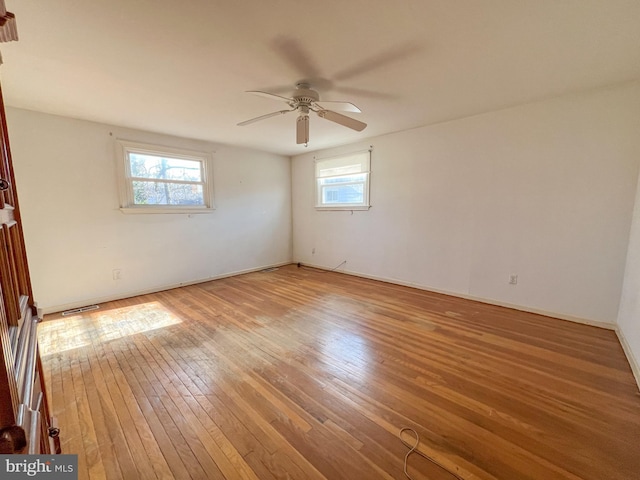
[361,92]
[262,117]
[302,129]
[342,120]
[380,60]
[276,89]
[295,55]
[344,106]
[271,96]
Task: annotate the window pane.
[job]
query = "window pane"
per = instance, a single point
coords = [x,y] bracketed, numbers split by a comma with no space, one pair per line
[163,193]
[163,168]
[341,194]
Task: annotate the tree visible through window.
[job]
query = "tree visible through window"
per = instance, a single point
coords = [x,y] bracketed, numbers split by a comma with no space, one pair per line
[170,179]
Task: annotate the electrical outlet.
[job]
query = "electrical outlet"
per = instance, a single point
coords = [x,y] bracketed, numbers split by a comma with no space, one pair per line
[117,274]
[513,279]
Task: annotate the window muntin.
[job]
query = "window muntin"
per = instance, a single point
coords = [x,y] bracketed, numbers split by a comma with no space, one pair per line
[342,182]
[163,180]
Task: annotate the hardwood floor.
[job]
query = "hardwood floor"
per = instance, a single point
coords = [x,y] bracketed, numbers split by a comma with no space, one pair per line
[302,374]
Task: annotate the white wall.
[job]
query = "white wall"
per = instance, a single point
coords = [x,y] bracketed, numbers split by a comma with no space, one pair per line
[544,190]
[76,235]
[629,316]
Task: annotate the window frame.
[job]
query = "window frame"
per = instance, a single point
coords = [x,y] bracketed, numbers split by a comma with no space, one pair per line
[338,161]
[125,180]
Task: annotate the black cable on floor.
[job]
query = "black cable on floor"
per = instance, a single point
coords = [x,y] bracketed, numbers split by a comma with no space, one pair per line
[320,270]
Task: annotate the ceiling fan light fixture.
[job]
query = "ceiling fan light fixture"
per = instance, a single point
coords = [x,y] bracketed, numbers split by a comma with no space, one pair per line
[302,129]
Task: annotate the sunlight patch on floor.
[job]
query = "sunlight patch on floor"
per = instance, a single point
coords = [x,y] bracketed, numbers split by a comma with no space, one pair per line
[88,328]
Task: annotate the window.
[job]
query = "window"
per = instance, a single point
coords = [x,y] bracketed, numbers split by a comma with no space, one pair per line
[164,180]
[342,182]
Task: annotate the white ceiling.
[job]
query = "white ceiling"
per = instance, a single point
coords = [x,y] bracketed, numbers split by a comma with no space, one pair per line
[181,67]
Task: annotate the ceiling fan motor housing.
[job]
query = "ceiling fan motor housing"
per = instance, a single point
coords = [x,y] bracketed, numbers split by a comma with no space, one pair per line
[304,95]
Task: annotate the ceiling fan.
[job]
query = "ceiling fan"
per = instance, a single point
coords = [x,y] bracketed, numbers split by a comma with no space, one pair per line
[305,100]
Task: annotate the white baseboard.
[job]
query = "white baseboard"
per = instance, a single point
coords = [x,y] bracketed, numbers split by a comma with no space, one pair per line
[120,296]
[570,318]
[633,361]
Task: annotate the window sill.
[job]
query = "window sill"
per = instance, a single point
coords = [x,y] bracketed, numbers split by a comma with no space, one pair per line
[165,210]
[344,207]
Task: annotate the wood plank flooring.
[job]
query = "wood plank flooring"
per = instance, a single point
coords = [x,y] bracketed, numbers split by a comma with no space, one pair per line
[303,374]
